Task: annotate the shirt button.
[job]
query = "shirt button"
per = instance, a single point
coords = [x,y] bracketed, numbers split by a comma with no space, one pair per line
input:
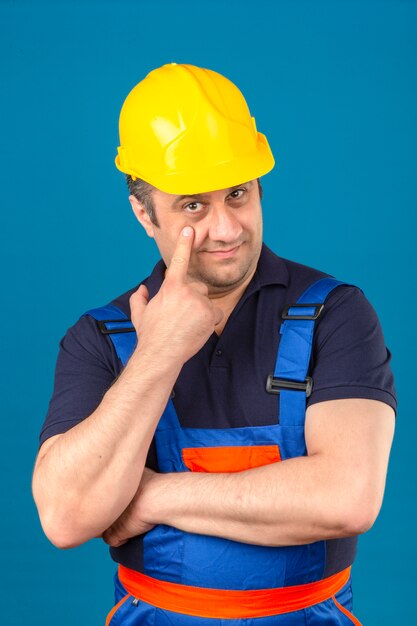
[219,352]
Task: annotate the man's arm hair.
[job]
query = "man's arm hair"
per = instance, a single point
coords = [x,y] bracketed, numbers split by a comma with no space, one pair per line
[86,477]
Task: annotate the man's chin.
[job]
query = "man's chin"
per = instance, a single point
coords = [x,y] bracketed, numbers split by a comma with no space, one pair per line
[218,282]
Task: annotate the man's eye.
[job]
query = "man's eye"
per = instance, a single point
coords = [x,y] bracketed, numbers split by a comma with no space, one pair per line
[193,207]
[237,193]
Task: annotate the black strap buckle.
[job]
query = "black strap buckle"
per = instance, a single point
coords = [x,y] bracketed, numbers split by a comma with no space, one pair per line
[274,385]
[111,331]
[318,309]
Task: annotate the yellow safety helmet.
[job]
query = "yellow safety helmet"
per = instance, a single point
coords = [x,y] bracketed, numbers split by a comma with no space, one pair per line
[185,130]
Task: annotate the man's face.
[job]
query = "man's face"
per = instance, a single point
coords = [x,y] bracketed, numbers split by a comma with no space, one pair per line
[228,232]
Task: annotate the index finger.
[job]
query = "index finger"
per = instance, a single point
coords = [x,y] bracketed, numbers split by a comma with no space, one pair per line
[181,257]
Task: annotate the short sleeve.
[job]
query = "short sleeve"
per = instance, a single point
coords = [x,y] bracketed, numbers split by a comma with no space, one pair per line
[86,367]
[350,358]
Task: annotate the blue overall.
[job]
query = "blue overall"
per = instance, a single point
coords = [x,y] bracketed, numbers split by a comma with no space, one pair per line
[213,562]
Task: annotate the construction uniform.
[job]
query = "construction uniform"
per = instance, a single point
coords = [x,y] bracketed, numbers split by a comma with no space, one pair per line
[238,403]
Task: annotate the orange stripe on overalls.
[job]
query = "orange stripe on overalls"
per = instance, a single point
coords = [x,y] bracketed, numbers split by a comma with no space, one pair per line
[226,603]
[116,608]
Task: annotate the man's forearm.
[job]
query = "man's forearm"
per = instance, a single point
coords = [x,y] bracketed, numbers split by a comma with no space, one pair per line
[90,474]
[335,491]
[294,502]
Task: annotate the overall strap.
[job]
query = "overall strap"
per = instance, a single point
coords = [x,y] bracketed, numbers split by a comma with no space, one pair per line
[289,379]
[113,322]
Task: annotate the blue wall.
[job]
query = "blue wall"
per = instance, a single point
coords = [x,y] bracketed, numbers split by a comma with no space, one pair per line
[334,86]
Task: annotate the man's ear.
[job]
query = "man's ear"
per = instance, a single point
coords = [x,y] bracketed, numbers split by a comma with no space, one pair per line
[142,216]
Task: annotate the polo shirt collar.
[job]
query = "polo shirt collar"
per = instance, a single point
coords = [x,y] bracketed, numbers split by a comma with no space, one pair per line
[271,270]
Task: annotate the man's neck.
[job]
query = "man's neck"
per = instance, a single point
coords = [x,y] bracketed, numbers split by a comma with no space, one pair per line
[227,302]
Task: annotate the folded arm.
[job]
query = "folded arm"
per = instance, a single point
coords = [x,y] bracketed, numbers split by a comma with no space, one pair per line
[335,491]
[85,478]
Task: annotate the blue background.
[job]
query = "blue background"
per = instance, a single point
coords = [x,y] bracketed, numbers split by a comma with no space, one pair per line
[333,85]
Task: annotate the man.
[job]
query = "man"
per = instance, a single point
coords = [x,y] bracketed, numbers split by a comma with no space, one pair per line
[191,451]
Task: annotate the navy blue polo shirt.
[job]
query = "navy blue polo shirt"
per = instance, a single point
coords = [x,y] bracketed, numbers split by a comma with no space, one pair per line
[223,385]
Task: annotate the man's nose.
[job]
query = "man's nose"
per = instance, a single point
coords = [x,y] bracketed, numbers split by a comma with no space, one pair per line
[224,224]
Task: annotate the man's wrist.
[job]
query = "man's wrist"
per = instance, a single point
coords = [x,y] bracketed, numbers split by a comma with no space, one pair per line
[145,365]
[158,498]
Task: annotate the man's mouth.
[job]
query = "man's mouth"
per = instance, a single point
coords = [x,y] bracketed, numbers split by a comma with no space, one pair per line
[223,253]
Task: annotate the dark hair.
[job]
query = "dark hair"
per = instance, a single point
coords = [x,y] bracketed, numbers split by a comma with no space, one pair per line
[143,193]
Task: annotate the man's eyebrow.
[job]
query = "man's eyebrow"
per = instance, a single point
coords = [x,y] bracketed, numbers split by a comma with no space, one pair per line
[201,196]
[196,196]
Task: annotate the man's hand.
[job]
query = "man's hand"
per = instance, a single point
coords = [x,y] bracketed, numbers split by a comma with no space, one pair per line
[177,322]
[130,524]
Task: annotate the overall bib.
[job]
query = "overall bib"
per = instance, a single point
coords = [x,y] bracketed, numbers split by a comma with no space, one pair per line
[199,580]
